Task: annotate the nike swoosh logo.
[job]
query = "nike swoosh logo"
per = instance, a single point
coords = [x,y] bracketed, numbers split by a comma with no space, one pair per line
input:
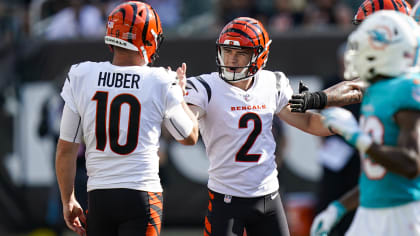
[274,195]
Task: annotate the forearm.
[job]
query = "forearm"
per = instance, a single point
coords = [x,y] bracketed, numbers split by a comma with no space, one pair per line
[395,159]
[65,165]
[316,126]
[350,200]
[309,122]
[345,93]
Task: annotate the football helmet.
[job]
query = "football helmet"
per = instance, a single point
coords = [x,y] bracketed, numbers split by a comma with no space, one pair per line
[370,6]
[242,33]
[385,44]
[415,12]
[135,26]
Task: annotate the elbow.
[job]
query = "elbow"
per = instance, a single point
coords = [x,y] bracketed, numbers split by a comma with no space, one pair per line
[189,141]
[412,172]
[412,169]
[192,138]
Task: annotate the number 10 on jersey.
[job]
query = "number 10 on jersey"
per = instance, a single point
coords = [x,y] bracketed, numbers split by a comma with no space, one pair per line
[113,121]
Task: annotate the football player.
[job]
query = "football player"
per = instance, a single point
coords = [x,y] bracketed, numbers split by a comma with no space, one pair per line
[117,109]
[351,91]
[236,106]
[382,51]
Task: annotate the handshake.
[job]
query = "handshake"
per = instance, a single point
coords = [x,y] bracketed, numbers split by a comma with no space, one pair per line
[338,120]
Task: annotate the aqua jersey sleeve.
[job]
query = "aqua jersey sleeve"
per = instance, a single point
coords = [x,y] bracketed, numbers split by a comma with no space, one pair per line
[411,96]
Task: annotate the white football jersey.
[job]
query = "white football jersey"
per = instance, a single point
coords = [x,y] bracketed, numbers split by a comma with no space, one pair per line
[121,110]
[236,131]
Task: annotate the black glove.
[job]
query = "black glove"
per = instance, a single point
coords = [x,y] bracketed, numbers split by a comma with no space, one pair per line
[306,100]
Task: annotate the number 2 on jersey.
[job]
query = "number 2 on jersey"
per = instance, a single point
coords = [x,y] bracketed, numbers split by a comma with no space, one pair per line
[242,155]
[113,132]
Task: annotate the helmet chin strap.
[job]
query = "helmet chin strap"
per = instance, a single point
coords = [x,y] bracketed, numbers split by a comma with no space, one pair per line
[143,51]
[231,76]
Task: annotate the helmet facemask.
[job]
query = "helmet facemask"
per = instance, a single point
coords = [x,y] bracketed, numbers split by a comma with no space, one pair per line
[242,33]
[384,45]
[246,71]
[158,40]
[350,71]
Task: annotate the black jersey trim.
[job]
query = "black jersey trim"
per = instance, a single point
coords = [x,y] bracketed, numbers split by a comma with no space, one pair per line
[189,82]
[206,86]
[77,130]
[176,128]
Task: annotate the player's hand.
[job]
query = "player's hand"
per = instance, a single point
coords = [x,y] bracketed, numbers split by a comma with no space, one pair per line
[346,92]
[343,123]
[299,102]
[181,76]
[306,100]
[74,217]
[325,221]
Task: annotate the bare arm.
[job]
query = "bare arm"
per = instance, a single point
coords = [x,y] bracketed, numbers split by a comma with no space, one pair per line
[350,200]
[345,93]
[65,165]
[403,159]
[66,168]
[309,122]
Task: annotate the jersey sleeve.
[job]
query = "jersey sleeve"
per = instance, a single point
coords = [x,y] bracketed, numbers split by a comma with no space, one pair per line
[67,93]
[284,90]
[197,93]
[412,100]
[173,98]
[70,127]
[171,92]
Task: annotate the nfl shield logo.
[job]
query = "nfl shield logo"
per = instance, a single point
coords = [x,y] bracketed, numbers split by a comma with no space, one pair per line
[228,198]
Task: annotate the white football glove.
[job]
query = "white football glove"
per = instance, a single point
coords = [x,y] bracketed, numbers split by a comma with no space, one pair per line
[325,221]
[344,124]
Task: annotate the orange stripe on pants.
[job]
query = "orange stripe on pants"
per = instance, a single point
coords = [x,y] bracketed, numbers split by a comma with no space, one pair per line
[155,218]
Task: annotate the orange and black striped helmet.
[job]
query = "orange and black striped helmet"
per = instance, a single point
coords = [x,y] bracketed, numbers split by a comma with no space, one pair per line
[243,32]
[370,6]
[135,26]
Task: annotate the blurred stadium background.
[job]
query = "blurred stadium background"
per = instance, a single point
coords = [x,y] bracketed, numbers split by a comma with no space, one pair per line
[40,39]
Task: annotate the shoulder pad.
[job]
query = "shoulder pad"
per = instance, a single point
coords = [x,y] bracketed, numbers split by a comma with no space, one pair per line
[192,84]
[279,77]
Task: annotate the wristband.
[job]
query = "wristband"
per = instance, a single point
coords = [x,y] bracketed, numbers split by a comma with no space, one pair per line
[364,142]
[322,99]
[317,100]
[361,141]
[341,210]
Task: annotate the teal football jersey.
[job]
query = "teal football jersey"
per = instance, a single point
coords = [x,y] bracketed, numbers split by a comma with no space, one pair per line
[382,100]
